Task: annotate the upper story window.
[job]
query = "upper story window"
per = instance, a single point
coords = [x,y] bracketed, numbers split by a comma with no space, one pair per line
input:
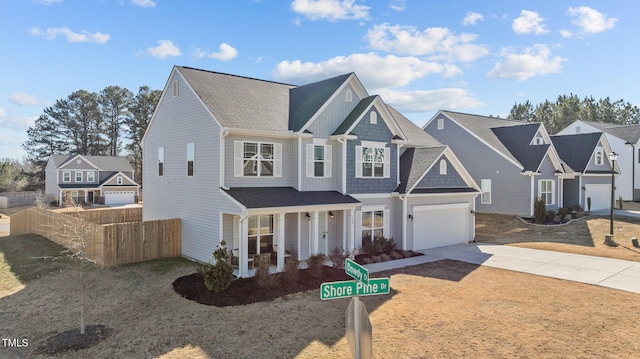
[78,176]
[443,167]
[160,161]
[577,129]
[485,185]
[176,88]
[441,124]
[372,160]
[66,176]
[91,177]
[349,96]
[79,161]
[538,141]
[257,159]
[598,157]
[119,180]
[191,155]
[318,160]
[373,117]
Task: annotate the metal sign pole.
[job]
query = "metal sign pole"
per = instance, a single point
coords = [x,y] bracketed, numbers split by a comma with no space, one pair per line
[356,325]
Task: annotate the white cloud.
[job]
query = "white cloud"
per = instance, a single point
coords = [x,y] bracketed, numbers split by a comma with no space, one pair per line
[84,36]
[2,112]
[472,18]
[226,53]
[566,33]
[23,99]
[398,5]
[20,123]
[332,10]
[590,20]
[414,101]
[529,22]
[374,71]
[534,61]
[144,3]
[46,2]
[165,48]
[437,42]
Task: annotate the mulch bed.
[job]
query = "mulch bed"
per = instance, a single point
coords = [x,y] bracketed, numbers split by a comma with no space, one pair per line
[73,340]
[246,290]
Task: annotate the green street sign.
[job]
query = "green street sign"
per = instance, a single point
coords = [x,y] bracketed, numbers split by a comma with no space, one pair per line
[350,288]
[356,271]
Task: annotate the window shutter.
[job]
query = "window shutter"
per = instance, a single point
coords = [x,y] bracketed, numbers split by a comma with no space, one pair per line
[327,161]
[238,159]
[359,163]
[387,161]
[358,225]
[386,220]
[310,160]
[277,160]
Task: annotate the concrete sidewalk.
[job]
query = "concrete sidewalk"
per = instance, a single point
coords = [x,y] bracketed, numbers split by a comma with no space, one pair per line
[605,272]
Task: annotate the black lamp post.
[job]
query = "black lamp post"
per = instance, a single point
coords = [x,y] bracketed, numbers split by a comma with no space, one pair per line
[613,157]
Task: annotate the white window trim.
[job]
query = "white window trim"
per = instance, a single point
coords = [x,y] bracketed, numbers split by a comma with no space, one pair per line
[65,173]
[386,159]
[386,213]
[191,158]
[176,88]
[440,124]
[119,180]
[238,156]
[161,161]
[443,167]
[373,118]
[310,158]
[485,186]
[75,177]
[91,177]
[349,95]
[552,193]
[598,156]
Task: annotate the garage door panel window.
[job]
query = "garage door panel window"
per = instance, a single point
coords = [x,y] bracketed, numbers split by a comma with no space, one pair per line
[546,191]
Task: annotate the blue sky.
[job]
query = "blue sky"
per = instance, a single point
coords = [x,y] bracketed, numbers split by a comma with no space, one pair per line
[420,56]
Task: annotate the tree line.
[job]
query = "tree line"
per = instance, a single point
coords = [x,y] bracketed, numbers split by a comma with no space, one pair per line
[568,108]
[110,122]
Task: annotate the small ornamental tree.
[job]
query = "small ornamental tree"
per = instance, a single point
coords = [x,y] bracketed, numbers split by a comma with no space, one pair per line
[539,210]
[217,276]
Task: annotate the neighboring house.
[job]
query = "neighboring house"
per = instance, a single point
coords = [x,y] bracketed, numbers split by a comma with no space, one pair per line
[513,162]
[625,141]
[267,166]
[585,155]
[91,179]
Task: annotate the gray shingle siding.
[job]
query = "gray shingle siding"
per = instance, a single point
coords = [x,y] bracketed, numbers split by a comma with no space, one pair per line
[433,178]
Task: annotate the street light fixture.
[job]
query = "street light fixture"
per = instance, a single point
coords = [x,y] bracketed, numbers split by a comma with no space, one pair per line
[613,157]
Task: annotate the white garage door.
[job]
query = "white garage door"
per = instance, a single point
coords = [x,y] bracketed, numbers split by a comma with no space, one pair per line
[600,195]
[118,197]
[440,225]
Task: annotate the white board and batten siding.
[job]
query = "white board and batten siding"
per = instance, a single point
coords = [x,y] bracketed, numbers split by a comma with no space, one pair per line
[197,199]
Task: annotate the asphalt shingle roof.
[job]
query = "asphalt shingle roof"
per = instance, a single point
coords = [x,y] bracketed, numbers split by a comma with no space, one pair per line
[576,150]
[270,197]
[104,163]
[306,100]
[414,134]
[629,133]
[517,140]
[414,162]
[354,114]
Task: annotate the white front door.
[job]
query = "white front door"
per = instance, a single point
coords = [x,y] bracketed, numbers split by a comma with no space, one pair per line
[323,232]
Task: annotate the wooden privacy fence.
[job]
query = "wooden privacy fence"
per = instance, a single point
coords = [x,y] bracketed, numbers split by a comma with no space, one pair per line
[108,244]
[106,215]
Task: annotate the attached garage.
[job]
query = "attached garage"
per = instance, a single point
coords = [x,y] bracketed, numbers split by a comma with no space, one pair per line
[600,195]
[119,197]
[441,225]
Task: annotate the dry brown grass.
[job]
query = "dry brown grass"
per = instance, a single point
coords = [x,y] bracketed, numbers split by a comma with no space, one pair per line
[440,310]
[581,236]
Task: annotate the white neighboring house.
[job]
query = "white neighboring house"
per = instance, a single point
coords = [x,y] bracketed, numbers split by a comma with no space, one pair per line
[624,140]
[91,179]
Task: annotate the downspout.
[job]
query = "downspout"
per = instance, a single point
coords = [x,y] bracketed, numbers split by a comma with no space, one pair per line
[400,145]
[404,221]
[533,197]
[223,135]
[633,172]
[299,163]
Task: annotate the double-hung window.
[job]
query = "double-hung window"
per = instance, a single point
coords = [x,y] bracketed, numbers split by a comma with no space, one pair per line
[257,159]
[66,176]
[78,176]
[545,191]
[372,225]
[191,156]
[160,161]
[318,158]
[91,177]
[372,160]
[598,157]
[485,185]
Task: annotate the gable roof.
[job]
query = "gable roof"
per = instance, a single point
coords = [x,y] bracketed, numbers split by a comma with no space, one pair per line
[414,162]
[629,133]
[354,115]
[413,134]
[306,100]
[576,149]
[241,102]
[517,140]
[104,163]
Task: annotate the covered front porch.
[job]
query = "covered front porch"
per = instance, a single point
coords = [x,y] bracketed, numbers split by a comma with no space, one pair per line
[292,225]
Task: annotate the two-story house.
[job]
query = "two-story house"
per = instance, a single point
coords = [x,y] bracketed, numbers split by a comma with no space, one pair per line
[624,140]
[514,162]
[91,179]
[277,168]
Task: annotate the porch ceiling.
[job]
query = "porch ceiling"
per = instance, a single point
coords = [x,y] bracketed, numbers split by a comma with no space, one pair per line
[271,197]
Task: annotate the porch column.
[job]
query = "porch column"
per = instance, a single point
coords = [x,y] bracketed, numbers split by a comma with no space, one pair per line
[85,196]
[280,243]
[352,230]
[314,232]
[345,230]
[243,263]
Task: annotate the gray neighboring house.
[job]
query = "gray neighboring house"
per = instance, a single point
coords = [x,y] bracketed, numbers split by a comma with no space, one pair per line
[623,140]
[585,155]
[91,179]
[513,162]
[268,166]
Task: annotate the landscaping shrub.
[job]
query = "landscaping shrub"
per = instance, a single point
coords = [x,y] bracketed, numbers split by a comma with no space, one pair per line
[337,256]
[378,245]
[376,259]
[316,264]
[539,210]
[263,278]
[217,276]
[384,257]
[406,254]
[396,255]
[291,269]
[366,260]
